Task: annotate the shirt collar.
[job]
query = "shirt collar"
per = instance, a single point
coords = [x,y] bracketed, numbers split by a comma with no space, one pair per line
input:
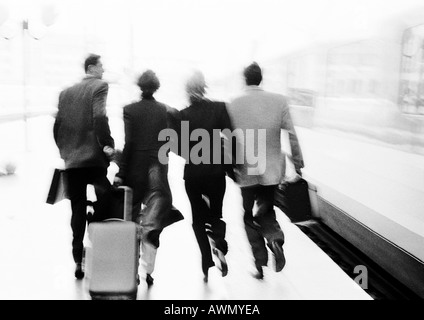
[90,76]
[254,88]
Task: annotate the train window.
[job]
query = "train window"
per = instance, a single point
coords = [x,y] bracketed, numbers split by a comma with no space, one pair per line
[411,92]
[301,80]
[302,97]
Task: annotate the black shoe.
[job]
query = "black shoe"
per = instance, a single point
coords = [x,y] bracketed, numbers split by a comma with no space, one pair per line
[259,273]
[205,269]
[280,260]
[149,280]
[222,262]
[79,272]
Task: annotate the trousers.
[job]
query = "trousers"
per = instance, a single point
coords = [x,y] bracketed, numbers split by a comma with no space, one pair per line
[206,196]
[260,225]
[78,179]
[152,200]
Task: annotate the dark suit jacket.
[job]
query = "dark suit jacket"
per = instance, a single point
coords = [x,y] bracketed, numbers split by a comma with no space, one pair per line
[143,121]
[208,115]
[81,128]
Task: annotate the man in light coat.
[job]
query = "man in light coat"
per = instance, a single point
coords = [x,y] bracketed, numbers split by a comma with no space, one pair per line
[258,117]
[82,134]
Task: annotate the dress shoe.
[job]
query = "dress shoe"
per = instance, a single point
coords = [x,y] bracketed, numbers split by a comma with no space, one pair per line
[79,272]
[205,276]
[149,280]
[259,273]
[280,260]
[222,262]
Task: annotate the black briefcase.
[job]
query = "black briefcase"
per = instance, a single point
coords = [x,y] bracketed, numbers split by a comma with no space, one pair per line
[58,190]
[293,199]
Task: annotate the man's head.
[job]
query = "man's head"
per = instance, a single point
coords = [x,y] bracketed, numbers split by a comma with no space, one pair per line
[93,66]
[196,85]
[148,82]
[253,74]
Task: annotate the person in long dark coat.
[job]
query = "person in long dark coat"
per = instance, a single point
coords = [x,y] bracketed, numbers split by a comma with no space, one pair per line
[141,169]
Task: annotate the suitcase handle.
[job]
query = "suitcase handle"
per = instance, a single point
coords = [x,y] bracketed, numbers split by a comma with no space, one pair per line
[127,203]
[113,219]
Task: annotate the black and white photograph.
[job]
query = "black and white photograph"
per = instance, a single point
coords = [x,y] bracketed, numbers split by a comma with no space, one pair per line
[212,155]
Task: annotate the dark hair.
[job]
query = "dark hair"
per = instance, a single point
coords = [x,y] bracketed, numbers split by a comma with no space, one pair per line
[253,74]
[148,82]
[92,59]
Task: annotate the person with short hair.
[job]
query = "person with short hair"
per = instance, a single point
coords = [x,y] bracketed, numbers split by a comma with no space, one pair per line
[262,112]
[82,134]
[141,169]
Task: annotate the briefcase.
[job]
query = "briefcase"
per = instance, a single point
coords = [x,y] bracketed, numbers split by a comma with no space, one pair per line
[58,190]
[293,199]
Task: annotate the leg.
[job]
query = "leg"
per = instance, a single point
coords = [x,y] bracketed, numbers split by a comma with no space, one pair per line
[77,188]
[148,258]
[216,192]
[265,215]
[253,230]
[269,224]
[102,188]
[158,200]
[200,210]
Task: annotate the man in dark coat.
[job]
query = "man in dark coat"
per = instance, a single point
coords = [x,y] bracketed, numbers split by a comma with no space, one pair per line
[82,134]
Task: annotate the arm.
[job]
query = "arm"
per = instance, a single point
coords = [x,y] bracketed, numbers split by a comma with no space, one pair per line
[57,121]
[287,124]
[228,142]
[100,119]
[173,118]
[123,163]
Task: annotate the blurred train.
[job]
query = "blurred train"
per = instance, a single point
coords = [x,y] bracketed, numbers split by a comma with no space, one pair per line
[358,106]
[359,110]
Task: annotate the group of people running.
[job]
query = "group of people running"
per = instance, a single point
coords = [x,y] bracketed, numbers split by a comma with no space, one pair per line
[246,130]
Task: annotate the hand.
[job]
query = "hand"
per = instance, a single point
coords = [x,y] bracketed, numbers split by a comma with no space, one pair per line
[299,172]
[117,182]
[291,179]
[297,177]
[109,152]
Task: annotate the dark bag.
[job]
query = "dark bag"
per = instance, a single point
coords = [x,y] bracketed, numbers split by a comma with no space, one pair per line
[293,199]
[58,188]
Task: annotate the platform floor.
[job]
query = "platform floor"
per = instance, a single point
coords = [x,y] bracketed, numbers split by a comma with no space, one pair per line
[36,261]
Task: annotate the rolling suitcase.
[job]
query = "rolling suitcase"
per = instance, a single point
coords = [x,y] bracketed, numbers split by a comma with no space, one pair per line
[113,254]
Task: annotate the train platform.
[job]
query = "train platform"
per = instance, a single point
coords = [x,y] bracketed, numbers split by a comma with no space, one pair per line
[36,264]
